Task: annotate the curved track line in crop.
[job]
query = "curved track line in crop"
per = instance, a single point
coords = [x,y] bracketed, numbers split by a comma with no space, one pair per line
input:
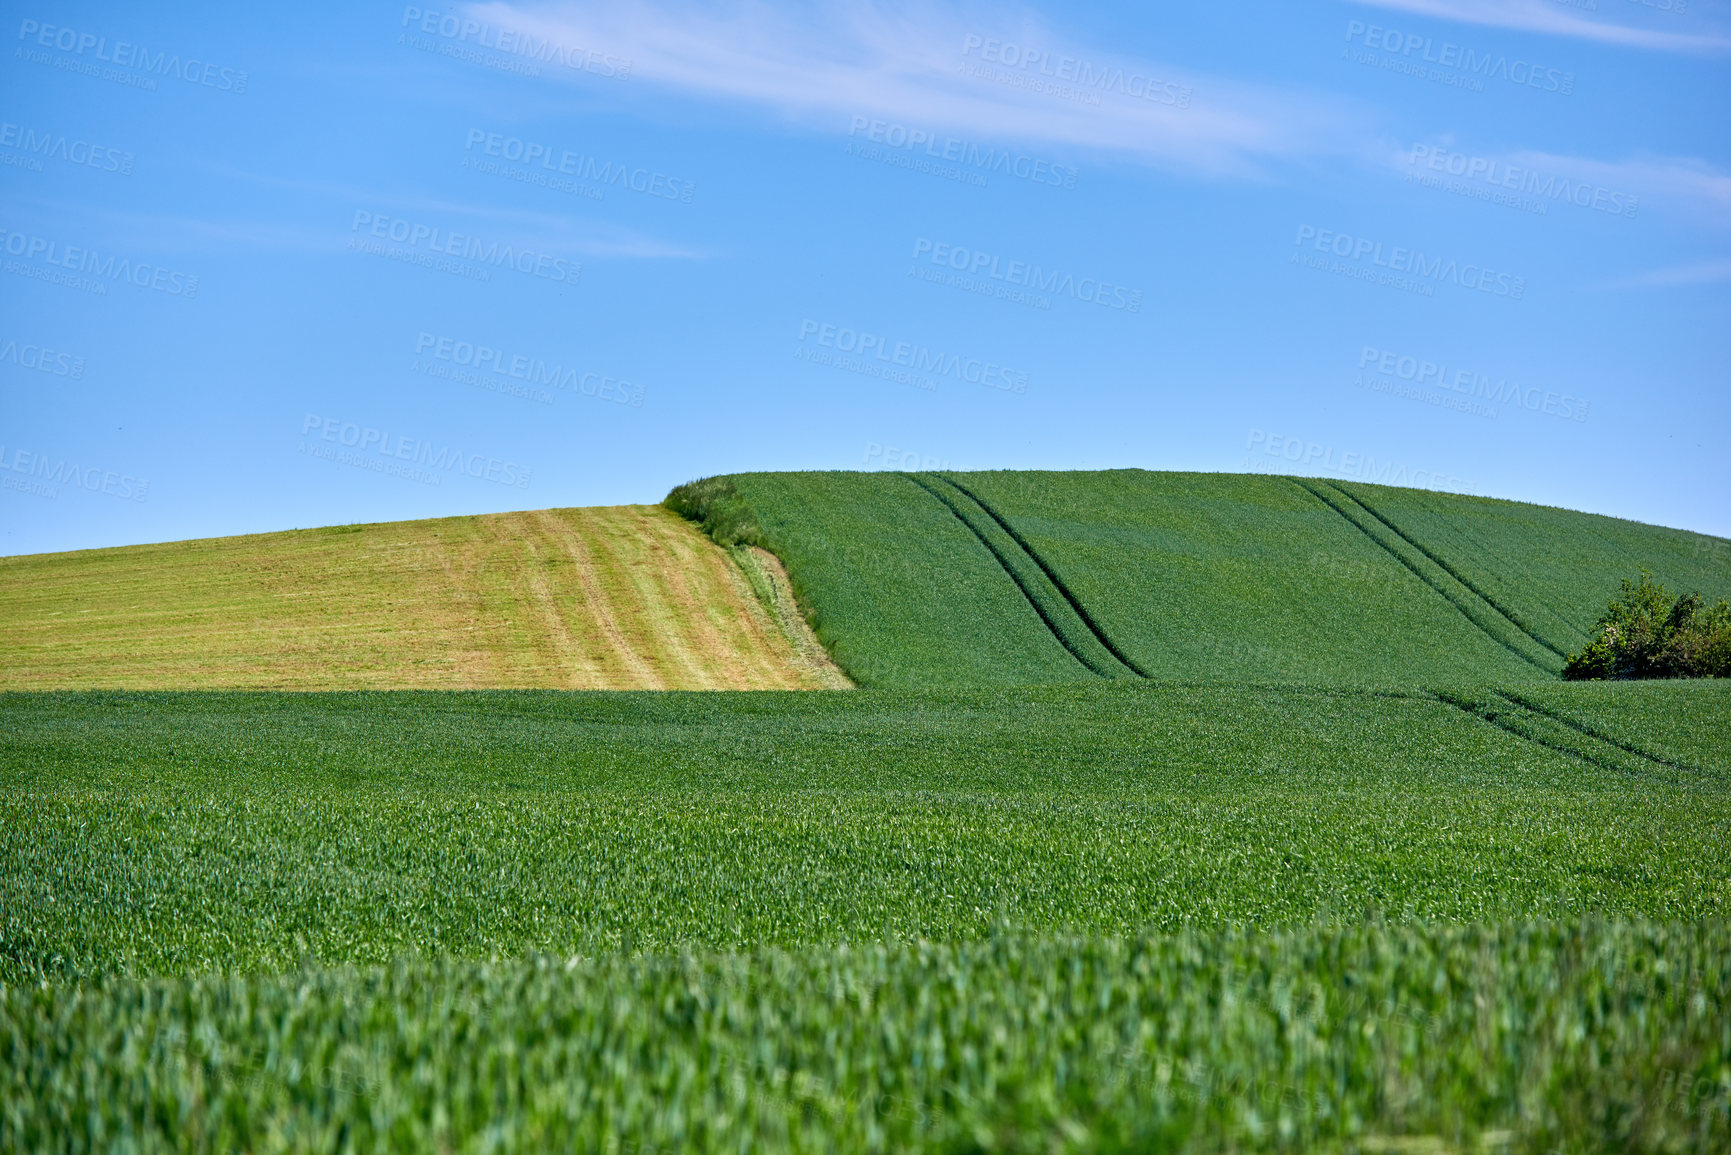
[1034,601]
[1514,619]
[1501,719]
[1594,732]
[1051,575]
[1331,500]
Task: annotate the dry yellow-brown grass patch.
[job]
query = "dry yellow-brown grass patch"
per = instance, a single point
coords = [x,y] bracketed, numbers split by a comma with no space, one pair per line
[627,597]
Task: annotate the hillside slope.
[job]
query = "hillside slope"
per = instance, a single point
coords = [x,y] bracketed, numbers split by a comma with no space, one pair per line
[898,587]
[626,597]
[1552,570]
[1003,577]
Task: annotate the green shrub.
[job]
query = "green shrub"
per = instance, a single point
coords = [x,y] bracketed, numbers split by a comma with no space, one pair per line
[1644,634]
[717,506]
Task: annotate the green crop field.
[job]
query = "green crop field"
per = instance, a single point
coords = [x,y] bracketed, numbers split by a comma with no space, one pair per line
[327,851]
[1553,569]
[1174,811]
[1199,576]
[898,588]
[1579,1036]
[149,834]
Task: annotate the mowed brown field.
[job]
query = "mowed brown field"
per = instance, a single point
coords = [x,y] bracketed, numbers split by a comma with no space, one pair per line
[625,597]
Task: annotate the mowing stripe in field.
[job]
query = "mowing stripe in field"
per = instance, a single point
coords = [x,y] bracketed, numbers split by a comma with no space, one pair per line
[1052,575]
[623,597]
[1068,628]
[1469,609]
[1514,619]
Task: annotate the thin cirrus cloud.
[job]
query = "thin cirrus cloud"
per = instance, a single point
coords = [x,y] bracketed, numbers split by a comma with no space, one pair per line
[331,224]
[830,63]
[1684,190]
[1544,16]
[1700,273]
[1681,187]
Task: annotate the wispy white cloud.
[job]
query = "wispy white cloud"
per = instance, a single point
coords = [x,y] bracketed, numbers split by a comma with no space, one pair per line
[1701,273]
[1552,19]
[1687,190]
[1685,186]
[584,236]
[823,64]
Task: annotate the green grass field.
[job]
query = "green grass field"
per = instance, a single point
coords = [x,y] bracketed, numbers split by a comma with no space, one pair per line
[1176,812]
[1582,1036]
[1219,576]
[161,834]
[1553,569]
[898,588]
[1117,854]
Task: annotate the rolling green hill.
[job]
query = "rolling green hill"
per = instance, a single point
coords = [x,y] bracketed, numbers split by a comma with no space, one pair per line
[1177,811]
[1007,577]
[1551,570]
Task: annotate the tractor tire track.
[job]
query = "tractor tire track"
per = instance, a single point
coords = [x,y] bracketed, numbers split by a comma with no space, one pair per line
[1514,619]
[1333,501]
[1047,612]
[1052,576]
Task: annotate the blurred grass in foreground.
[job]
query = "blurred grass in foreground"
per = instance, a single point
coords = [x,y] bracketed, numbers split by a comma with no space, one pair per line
[1573,1036]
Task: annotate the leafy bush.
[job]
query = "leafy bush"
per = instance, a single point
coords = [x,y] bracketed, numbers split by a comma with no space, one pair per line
[1644,634]
[717,506]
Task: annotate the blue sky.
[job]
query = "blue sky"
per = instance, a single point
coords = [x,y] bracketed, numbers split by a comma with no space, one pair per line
[280,266]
